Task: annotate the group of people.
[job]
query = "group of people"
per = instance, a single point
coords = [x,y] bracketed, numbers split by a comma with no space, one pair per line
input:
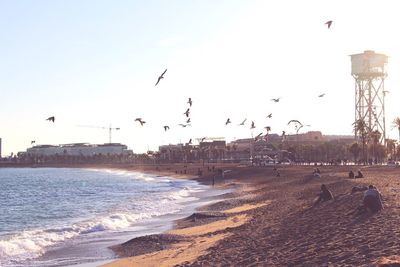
[359,174]
[372,200]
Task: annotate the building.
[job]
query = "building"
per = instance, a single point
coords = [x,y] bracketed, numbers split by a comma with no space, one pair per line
[79,149]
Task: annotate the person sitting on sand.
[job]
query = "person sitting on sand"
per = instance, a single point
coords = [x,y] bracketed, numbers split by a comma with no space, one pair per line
[324,195]
[351,174]
[359,174]
[372,199]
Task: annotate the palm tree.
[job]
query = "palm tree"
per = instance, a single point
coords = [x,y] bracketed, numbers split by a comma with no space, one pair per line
[396,123]
[361,128]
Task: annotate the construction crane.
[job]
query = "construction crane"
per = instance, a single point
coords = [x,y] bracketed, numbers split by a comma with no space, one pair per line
[102,127]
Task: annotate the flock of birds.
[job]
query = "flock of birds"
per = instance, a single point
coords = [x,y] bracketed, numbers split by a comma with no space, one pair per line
[297,124]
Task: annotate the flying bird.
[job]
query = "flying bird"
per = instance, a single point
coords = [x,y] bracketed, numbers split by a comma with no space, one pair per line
[242,123]
[295,121]
[190,141]
[187,112]
[283,133]
[166,127]
[269,115]
[190,101]
[140,120]
[276,99]
[184,125]
[202,139]
[258,136]
[329,23]
[252,125]
[51,119]
[161,77]
[322,95]
[188,120]
[268,128]
[228,121]
[33,141]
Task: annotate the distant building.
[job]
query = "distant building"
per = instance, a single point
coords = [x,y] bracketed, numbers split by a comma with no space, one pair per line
[79,149]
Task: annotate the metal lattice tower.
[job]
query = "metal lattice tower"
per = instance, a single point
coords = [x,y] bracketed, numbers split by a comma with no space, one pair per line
[369,72]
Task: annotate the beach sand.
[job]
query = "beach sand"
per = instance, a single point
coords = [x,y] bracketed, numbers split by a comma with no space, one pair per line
[269,221]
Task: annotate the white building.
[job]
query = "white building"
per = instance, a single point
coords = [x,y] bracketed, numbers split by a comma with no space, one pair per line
[79,149]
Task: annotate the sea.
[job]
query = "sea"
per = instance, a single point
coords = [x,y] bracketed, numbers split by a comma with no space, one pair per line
[69,216]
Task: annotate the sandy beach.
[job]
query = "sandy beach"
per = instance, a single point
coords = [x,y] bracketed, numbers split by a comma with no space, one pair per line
[269,221]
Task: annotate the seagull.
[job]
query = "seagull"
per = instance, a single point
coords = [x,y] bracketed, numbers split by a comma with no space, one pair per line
[268,128]
[321,95]
[283,133]
[242,123]
[256,138]
[190,101]
[202,139]
[187,112]
[190,141]
[252,125]
[296,121]
[188,120]
[140,120]
[184,125]
[329,23]
[161,77]
[269,115]
[51,119]
[166,127]
[227,121]
[276,99]
[33,141]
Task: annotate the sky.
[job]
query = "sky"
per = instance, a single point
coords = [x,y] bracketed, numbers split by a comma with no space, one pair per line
[95,63]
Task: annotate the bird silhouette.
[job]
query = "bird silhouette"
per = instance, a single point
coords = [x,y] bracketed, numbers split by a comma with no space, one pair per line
[190,141]
[227,121]
[52,119]
[295,121]
[269,115]
[161,77]
[202,139]
[329,23]
[252,125]
[268,128]
[166,127]
[33,141]
[140,120]
[190,101]
[187,112]
[188,120]
[322,95]
[242,123]
[184,125]
[258,136]
[276,100]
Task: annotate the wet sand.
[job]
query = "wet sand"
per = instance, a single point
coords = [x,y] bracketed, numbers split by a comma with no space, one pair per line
[269,221]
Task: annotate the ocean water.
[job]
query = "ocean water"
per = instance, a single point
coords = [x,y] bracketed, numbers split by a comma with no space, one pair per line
[46,208]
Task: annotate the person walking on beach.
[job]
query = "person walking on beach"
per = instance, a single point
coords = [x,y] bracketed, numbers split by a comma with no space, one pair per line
[324,195]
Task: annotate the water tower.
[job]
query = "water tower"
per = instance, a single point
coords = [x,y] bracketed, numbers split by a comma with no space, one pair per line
[369,72]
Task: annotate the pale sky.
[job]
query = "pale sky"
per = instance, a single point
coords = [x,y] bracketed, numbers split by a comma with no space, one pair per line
[96,63]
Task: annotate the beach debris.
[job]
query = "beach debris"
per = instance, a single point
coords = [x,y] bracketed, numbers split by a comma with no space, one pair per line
[161,77]
[52,119]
